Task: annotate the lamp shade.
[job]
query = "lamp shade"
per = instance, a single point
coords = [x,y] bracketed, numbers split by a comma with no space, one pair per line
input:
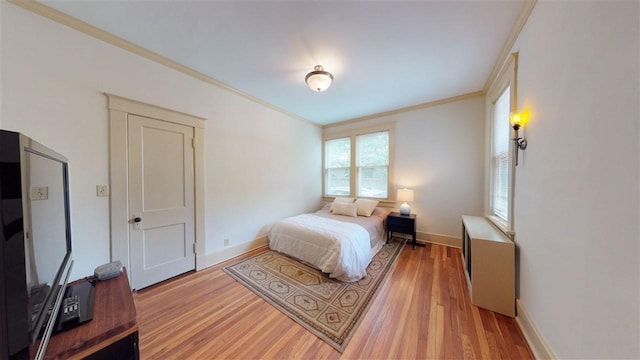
[519,118]
[319,80]
[405,195]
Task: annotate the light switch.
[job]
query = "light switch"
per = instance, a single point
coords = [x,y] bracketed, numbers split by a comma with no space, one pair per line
[102,190]
[40,193]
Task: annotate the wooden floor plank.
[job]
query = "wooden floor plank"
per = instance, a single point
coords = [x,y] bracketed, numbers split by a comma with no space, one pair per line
[422,310]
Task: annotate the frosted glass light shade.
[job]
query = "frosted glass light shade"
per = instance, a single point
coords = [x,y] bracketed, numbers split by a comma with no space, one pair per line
[319,80]
[519,118]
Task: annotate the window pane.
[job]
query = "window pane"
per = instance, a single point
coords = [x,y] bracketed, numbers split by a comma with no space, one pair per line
[372,182]
[373,149]
[500,156]
[337,181]
[338,153]
[501,123]
[337,167]
[373,164]
[501,186]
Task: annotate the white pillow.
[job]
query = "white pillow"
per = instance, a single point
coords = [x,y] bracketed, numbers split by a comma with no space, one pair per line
[340,200]
[343,208]
[366,206]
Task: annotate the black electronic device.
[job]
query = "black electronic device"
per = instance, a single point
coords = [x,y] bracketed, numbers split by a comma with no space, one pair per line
[77,306]
[35,244]
[70,311]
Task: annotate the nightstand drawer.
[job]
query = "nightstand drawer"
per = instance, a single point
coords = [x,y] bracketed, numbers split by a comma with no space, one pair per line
[400,222]
[401,228]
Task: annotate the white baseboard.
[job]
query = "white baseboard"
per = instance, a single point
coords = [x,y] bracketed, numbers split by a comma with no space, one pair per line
[217,257]
[201,262]
[445,240]
[536,342]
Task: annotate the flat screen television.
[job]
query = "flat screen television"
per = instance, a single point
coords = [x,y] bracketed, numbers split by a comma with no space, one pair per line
[35,240]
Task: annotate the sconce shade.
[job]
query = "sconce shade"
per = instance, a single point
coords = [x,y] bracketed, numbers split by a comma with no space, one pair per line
[519,119]
[405,195]
[319,80]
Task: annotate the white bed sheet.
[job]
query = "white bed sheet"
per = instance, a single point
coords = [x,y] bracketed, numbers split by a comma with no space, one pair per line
[341,246]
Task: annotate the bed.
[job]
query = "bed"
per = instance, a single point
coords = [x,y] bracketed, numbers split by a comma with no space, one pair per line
[338,244]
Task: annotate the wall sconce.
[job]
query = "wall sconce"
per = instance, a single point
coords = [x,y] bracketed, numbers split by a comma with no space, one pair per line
[517,120]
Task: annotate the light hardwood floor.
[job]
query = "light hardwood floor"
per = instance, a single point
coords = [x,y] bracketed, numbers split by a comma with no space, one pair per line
[421,311]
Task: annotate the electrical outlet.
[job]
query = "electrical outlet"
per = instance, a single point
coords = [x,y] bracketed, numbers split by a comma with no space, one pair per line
[226,242]
[102,190]
[40,193]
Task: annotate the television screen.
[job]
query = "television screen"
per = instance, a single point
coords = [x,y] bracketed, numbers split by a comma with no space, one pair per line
[47,238]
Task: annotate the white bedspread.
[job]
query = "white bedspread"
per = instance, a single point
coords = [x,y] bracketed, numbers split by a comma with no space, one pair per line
[339,248]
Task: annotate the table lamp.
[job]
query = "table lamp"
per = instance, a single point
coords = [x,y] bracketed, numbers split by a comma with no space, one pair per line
[405,195]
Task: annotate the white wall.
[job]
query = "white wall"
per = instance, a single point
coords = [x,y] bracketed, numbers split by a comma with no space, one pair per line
[576,199]
[260,164]
[439,154]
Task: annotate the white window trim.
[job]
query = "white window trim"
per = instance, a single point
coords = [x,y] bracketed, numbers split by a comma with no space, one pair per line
[507,77]
[353,134]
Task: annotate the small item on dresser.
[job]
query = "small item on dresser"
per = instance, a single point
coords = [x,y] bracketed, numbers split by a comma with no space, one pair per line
[108,271]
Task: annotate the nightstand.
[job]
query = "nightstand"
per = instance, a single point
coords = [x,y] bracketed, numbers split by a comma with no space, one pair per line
[405,224]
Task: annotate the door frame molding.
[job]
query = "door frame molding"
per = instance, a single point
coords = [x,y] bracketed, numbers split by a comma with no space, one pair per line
[119,110]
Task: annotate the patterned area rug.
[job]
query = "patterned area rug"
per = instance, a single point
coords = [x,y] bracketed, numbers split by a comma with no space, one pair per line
[329,308]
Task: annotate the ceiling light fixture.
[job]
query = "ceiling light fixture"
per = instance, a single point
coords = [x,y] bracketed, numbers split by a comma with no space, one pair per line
[319,80]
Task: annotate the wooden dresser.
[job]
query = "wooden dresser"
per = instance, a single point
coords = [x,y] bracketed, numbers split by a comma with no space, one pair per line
[113,332]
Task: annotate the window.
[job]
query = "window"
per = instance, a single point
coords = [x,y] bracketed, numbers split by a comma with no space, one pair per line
[358,163]
[373,164]
[500,157]
[337,178]
[501,101]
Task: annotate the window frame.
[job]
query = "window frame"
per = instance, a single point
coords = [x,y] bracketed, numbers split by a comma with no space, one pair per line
[506,79]
[331,134]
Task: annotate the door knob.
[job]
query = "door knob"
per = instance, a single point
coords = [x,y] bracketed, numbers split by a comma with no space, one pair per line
[137,219]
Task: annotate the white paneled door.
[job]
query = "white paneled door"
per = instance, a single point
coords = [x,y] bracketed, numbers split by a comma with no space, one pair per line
[161,200]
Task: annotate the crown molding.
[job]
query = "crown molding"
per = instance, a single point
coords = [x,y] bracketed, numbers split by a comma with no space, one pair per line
[527,8]
[407,109]
[79,25]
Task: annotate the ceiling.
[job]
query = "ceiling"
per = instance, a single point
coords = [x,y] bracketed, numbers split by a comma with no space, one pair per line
[384,55]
